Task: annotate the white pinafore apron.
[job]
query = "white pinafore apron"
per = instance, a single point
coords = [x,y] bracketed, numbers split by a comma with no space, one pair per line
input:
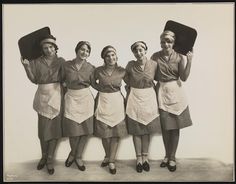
[47,100]
[142,105]
[110,109]
[79,104]
[171,97]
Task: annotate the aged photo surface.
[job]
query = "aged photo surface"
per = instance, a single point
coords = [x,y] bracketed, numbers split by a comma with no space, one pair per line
[206,149]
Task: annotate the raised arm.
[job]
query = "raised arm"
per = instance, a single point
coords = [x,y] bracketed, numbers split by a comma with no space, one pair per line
[185,70]
[29,71]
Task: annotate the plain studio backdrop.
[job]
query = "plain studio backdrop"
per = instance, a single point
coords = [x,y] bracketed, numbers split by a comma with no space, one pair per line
[209,87]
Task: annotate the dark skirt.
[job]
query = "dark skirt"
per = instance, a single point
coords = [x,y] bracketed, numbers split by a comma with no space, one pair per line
[136,128]
[72,128]
[105,131]
[171,121]
[49,128]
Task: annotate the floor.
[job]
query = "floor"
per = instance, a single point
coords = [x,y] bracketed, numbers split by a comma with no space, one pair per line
[193,170]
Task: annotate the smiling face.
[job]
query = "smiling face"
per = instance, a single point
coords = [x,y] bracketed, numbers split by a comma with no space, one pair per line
[83,52]
[49,49]
[110,58]
[139,52]
[167,43]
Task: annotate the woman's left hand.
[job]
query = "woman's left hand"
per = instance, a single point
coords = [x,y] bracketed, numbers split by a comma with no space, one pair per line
[189,56]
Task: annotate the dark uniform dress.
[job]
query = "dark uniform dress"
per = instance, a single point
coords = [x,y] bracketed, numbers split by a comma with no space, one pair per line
[44,74]
[168,71]
[141,79]
[77,80]
[109,84]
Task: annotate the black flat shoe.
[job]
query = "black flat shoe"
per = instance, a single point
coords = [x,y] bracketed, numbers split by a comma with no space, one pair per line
[112,171]
[139,168]
[146,166]
[164,163]
[68,163]
[104,164]
[41,163]
[51,171]
[171,168]
[80,167]
[50,168]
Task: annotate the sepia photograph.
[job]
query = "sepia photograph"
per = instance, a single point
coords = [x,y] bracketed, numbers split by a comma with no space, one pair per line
[118,92]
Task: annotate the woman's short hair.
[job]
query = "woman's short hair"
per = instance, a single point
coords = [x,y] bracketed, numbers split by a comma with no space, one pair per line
[139,43]
[107,49]
[167,34]
[80,44]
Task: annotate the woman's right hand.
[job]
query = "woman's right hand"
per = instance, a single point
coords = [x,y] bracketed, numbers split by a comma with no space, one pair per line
[24,61]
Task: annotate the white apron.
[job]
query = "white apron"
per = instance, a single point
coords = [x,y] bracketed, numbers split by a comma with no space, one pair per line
[79,104]
[142,105]
[171,97]
[110,109]
[47,100]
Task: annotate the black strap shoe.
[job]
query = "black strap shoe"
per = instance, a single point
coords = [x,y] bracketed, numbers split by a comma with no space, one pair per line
[80,167]
[51,171]
[139,168]
[164,162]
[41,163]
[112,171]
[172,168]
[146,166]
[112,167]
[69,162]
[104,164]
[50,168]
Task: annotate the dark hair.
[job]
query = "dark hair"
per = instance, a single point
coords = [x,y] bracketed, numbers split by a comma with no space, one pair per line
[105,49]
[80,44]
[134,45]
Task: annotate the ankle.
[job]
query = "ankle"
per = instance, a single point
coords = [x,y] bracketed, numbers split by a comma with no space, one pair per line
[44,156]
[144,157]
[71,157]
[112,165]
[139,159]
[106,159]
[49,160]
[172,163]
[80,161]
[166,159]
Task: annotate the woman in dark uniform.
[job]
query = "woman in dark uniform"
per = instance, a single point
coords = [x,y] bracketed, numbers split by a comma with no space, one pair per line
[142,108]
[174,110]
[110,111]
[79,103]
[45,72]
